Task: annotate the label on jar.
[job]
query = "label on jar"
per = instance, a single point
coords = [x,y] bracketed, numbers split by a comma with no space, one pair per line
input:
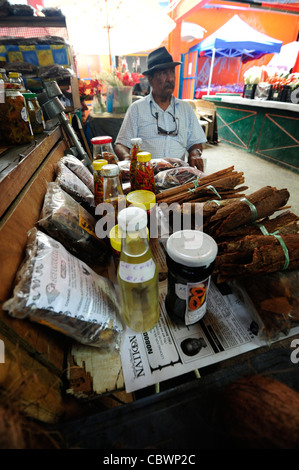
[2,92]
[24,114]
[135,273]
[39,116]
[195,296]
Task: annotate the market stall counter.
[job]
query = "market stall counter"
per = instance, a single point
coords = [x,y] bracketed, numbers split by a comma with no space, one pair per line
[83,375]
[269,129]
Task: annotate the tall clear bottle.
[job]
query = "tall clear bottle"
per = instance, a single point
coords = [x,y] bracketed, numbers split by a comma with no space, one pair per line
[137,272]
[112,192]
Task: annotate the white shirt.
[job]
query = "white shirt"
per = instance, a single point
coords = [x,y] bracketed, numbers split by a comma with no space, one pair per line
[140,121]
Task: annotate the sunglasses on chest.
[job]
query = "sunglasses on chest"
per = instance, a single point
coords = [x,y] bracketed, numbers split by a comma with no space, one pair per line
[162,131]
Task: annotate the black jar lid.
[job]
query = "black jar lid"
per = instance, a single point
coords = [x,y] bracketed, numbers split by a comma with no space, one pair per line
[192,248]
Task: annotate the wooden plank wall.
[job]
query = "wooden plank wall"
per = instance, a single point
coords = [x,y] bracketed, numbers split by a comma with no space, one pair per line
[33,359]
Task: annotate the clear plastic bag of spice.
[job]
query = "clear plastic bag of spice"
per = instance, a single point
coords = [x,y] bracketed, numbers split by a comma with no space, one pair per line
[176,176]
[58,290]
[80,170]
[68,222]
[74,186]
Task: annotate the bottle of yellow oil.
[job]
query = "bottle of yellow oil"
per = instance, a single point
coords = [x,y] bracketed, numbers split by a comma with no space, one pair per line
[137,272]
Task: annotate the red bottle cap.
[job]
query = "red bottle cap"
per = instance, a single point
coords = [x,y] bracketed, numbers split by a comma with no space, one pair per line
[106,139]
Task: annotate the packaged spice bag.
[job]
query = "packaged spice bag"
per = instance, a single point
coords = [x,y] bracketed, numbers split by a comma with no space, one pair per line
[67,221]
[80,170]
[58,290]
[74,186]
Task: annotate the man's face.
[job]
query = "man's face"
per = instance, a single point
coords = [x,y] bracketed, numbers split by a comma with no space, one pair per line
[163,82]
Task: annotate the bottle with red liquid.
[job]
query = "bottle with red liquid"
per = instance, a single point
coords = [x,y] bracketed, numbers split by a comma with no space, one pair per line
[136,148]
[98,180]
[144,177]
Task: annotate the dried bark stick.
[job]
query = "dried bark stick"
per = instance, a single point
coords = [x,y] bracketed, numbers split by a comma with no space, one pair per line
[284,223]
[266,201]
[256,254]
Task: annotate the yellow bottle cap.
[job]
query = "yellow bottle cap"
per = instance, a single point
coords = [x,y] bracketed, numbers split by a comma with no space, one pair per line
[142,198]
[98,164]
[143,157]
[115,237]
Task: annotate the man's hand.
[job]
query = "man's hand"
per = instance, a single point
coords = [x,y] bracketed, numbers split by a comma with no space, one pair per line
[122,152]
[194,158]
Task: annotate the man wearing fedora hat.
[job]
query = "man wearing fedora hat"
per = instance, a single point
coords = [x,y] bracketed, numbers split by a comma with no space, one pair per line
[167,125]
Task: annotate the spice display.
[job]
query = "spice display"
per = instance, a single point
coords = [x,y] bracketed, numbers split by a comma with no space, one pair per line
[144,177]
[190,260]
[72,299]
[136,148]
[103,149]
[14,119]
[35,113]
[98,180]
[137,272]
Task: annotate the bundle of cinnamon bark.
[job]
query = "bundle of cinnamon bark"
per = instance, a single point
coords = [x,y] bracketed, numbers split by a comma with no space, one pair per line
[256,254]
[222,184]
[246,211]
[249,241]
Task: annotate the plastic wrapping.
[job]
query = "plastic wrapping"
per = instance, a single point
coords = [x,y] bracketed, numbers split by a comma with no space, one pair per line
[161,164]
[80,170]
[176,176]
[124,170]
[158,165]
[74,186]
[68,222]
[58,290]
[262,91]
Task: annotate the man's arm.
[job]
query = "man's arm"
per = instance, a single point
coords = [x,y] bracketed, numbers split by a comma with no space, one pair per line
[122,152]
[194,157]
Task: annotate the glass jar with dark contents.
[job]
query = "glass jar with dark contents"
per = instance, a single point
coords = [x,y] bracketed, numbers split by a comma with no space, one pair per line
[190,260]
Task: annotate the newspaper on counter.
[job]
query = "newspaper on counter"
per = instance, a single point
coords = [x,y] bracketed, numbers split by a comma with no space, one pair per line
[170,350]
